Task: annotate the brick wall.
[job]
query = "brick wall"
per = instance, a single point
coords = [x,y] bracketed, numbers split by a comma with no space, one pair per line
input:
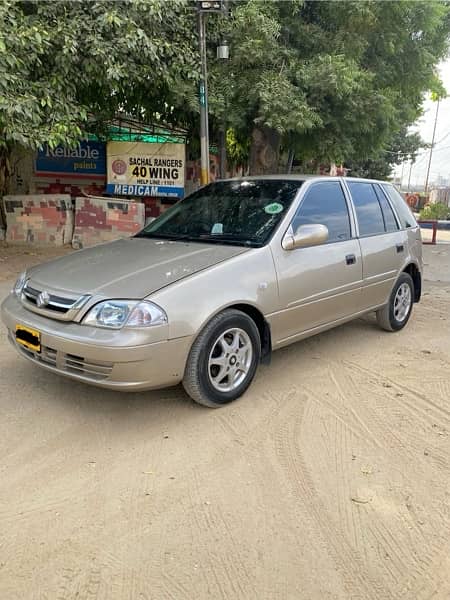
[67,185]
[39,219]
[101,220]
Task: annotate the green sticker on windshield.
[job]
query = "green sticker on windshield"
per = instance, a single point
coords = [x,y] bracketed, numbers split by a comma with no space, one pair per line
[274,208]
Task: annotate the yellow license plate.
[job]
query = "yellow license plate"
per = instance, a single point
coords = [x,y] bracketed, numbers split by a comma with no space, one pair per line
[30,338]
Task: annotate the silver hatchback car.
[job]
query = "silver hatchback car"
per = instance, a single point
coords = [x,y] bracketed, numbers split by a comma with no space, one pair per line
[208,290]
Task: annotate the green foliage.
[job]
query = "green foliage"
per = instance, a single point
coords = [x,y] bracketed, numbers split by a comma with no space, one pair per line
[67,66]
[338,81]
[438,210]
[237,149]
[401,147]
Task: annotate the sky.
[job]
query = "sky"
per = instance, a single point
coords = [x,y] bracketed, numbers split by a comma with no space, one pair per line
[440,163]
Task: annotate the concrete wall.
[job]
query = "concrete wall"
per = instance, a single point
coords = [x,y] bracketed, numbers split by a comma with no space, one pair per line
[101,220]
[440,195]
[39,219]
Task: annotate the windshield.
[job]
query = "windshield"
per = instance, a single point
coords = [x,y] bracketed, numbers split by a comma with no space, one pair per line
[244,212]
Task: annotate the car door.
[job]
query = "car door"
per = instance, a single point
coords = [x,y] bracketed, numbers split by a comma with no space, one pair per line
[383,244]
[407,222]
[318,284]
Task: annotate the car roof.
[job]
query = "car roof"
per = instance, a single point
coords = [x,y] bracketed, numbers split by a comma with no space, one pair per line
[300,177]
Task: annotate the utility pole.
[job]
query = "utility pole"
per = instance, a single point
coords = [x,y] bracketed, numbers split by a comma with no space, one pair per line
[401,176]
[410,169]
[432,145]
[203,8]
[203,95]
[223,53]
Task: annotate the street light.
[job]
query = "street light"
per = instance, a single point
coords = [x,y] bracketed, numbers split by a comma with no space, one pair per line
[223,53]
[204,7]
[223,50]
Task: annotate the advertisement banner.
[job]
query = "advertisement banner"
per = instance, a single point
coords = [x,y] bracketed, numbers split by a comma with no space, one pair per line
[86,159]
[145,169]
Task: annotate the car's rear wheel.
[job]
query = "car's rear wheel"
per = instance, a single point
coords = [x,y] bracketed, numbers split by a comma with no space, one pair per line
[223,359]
[397,311]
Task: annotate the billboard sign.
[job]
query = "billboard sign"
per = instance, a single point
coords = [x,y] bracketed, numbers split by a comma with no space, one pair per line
[145,169]
[86,159]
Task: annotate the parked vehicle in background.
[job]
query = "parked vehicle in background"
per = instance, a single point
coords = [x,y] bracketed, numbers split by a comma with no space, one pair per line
[205,292]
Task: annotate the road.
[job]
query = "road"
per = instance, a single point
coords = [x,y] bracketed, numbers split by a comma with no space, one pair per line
[328,480]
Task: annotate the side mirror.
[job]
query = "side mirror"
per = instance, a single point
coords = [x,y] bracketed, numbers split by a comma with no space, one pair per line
[306,235]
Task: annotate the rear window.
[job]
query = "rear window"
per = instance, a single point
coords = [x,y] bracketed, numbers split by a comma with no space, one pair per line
[390,221]
[368,209]
[402,209]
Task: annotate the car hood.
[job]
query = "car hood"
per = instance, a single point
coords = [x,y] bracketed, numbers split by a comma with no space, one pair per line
[129,268]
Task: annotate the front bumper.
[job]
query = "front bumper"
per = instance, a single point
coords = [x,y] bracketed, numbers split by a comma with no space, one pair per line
[98,356]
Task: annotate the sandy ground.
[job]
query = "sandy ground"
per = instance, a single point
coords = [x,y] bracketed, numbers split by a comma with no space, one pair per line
[328,480]
[14,259]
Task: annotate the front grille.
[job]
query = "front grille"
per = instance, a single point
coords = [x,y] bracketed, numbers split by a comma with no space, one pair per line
[57,303]
[79,365]
[55,306]
[69,363]
[47,355]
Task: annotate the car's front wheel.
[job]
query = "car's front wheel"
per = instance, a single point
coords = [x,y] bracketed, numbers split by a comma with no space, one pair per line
[397,311]
[223,359]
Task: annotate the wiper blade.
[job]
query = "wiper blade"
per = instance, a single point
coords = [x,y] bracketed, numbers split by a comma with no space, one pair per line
[163,236]
[143,234]
[215,238]
[226,238]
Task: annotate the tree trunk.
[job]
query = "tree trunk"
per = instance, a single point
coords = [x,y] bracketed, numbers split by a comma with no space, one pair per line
[222,153]
[5,173]
[290,162]
[264,151]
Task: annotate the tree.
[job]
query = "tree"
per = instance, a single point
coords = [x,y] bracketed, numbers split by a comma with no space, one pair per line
[328,81]
[67,67]
[401,147]
[332,81]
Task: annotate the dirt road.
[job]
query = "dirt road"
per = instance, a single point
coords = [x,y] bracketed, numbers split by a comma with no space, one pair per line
[329,480]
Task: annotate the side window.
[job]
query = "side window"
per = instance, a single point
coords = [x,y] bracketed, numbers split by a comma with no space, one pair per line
[402,209]
[368,210]
[390,221]
[324,204]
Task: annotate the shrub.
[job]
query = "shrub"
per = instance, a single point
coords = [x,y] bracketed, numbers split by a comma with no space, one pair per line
[438,210]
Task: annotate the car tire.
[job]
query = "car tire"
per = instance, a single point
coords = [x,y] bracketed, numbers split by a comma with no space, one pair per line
[397,311]
[223,359]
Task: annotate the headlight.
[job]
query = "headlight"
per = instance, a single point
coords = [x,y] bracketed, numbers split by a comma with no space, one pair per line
[115,314]
[146,314]
[19,285]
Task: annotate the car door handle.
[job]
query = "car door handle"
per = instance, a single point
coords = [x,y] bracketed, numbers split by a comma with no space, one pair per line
[350,259]
[400,247]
